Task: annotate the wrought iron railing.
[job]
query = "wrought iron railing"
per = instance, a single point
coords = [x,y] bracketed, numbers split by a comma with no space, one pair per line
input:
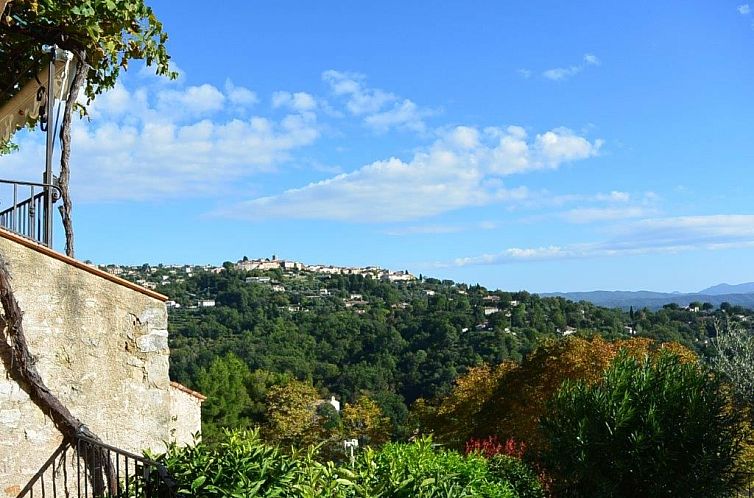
[90,469]
[31,216]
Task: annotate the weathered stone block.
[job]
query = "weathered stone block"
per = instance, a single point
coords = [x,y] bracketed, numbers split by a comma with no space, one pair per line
[152,343]
[10,417]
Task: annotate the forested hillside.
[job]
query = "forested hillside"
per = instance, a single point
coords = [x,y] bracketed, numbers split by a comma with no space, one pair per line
[349,335]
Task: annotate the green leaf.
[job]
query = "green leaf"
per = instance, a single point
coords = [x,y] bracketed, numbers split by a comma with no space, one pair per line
[198,482]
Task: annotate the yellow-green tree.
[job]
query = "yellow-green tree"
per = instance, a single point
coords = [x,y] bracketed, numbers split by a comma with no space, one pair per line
[364,420]
[453,419]
[509,400]
[291,415]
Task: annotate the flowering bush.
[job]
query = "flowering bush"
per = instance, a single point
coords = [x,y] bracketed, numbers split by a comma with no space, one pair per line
[506,463]
[491,446]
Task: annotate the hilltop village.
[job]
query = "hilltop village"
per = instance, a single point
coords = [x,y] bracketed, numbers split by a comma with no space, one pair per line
[153,277]
[296,287]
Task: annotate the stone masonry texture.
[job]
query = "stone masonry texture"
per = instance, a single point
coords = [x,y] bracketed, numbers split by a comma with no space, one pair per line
[102,349]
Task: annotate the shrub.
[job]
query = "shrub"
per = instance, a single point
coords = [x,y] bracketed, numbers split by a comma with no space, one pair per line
[648,428]
[522,478]
[506,463]
[240,464]
[420,470]
[243,465]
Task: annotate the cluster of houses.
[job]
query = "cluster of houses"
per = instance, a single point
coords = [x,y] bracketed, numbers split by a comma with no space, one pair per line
[492,305]
[368,271]
[150,277]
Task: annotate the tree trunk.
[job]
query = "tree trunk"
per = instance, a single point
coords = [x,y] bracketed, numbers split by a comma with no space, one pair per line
[19,363]
[79,76]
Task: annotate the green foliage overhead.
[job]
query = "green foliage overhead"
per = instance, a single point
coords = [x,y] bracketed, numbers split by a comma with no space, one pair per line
[648,428]
[108,33]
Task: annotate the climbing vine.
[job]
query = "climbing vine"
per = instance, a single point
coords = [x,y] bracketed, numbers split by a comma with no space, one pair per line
[103,36]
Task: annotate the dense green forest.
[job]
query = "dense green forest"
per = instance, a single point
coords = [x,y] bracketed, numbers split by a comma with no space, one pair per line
[395,342]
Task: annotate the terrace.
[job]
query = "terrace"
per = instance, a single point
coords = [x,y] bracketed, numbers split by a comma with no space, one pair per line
[29,204]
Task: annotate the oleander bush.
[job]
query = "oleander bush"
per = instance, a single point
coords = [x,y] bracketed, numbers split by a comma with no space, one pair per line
[648,427]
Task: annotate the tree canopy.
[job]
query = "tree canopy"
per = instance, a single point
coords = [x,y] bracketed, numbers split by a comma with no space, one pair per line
[102,35]
[107,33]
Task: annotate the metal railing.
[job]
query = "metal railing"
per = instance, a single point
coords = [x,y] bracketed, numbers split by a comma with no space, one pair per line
[91,469]
[31,216]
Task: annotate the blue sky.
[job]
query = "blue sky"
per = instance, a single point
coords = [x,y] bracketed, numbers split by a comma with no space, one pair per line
[521,145]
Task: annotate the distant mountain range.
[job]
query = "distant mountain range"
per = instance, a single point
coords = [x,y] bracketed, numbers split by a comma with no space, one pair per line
[716,290]
[741,294]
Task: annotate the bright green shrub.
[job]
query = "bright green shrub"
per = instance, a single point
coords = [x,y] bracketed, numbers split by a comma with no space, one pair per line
[422,471]
[648,428]
[242,465]
[239,465]
[521,476]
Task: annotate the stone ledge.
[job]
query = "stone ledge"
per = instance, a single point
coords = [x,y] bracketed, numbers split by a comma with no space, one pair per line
[78,264]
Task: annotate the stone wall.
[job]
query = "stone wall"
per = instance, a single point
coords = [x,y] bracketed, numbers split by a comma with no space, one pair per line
[185,413]
[101,347]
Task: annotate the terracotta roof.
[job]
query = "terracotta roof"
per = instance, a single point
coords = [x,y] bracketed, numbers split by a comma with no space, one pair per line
[185,389]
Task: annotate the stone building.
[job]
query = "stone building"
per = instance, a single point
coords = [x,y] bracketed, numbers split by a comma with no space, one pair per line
[100,344]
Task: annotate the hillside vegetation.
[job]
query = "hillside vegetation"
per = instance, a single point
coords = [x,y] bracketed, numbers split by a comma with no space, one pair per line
[352,336]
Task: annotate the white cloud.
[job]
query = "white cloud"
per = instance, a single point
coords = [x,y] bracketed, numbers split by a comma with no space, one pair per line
[299,101]
[361,99]
[615,196]
[194,100]
[381,110]
[595,214]
[115,102]
[405,115]
[240,95]
[435,229]
[620,206]
[461,169]
[157,142]
[591,60]
[562,73]
[744,9]
[648,236]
